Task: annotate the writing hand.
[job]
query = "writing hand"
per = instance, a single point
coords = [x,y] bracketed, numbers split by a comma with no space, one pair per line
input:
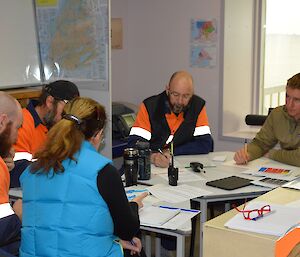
[161,160]
[241,156]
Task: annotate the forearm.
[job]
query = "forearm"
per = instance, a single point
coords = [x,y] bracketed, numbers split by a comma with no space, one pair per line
[124,214]
[133,139]
[291,157]
[200,145]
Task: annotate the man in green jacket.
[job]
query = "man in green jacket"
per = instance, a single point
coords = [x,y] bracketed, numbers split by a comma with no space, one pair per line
[282,126]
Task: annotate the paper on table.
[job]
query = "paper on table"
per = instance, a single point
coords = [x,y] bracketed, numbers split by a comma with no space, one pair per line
[219,158]
[179,220]
[295,184]
[277,223]
[154,215]
[185,160]
[176,194]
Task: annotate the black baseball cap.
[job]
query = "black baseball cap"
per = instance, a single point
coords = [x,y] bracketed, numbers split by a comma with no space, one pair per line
[62,90]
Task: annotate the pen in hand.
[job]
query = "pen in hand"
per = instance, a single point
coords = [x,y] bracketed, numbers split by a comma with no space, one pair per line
[246,150]
[160,151]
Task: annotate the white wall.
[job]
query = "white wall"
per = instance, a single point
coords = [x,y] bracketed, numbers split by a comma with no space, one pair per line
[156,43]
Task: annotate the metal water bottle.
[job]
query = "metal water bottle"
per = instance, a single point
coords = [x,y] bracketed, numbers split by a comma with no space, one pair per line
[144,164]
[130,166]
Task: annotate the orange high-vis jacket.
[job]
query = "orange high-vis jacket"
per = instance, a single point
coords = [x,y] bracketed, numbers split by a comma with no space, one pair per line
[4,182]
[286,244]
[30,137]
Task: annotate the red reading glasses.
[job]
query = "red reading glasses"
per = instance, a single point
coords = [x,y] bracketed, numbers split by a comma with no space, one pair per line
[254,214]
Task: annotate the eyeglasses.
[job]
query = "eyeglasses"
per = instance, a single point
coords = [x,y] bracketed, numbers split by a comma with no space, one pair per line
[254,213]
[177,95]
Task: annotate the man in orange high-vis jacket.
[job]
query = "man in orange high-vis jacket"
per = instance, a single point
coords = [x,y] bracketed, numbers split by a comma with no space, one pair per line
[289,244]
[176,115]
[39,116]
[10,216]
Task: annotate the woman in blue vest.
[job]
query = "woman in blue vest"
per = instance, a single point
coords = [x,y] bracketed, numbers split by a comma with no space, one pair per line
[74,203]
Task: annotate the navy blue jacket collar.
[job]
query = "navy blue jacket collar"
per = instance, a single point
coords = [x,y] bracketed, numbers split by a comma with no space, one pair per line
[31,108]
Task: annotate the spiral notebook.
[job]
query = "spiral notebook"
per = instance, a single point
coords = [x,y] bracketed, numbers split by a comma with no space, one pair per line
[229,183]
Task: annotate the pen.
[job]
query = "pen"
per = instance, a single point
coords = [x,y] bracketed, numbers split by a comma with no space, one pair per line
[175,208]
[263,215]
[246,149]
[160,151]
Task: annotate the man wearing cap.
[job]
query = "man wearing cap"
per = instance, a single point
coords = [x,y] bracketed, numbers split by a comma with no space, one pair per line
[39,116]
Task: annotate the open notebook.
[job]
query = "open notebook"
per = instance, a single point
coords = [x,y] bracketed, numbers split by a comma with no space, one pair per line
[156,216]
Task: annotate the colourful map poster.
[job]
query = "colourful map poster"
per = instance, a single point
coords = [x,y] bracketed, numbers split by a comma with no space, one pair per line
[203,50]
[73,38]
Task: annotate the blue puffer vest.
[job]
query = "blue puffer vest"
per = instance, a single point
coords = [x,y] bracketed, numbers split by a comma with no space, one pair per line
[64,215]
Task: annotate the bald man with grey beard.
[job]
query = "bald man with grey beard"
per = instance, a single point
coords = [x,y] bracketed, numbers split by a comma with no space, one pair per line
[10,216]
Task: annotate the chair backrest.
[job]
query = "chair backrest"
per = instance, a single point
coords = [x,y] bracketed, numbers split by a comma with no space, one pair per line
[256,120]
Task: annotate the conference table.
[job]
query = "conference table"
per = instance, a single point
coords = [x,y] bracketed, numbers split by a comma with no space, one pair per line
[220,165]
[217,165]
[222,241]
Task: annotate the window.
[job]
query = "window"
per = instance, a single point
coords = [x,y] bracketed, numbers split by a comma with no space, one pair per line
[281,49]
[261,50]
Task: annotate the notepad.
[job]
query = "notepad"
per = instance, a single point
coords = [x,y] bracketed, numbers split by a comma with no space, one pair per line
[229,183]
[156,216]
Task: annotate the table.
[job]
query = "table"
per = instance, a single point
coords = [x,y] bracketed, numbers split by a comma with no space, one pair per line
[220,171]
[225,242]
[180,233]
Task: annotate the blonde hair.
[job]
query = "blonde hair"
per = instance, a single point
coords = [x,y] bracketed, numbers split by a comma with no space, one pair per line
[82,119]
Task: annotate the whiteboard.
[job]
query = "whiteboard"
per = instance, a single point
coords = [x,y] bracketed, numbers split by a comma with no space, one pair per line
[19,57]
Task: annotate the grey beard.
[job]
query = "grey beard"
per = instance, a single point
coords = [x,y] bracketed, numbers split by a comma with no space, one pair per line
[49,119]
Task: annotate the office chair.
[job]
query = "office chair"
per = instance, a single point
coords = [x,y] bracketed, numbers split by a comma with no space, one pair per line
[256,120]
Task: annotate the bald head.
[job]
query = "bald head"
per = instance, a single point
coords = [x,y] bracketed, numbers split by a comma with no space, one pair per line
[180,91]
[9,105]
[182,78]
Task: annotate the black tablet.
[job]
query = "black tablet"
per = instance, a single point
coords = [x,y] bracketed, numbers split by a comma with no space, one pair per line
[229,183]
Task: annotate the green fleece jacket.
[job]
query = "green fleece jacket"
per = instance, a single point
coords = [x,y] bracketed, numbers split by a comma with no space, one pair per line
[280,128]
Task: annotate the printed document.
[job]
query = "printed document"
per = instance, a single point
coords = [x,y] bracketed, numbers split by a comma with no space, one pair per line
[176,194]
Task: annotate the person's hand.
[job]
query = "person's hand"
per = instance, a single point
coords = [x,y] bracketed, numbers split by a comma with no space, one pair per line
[161,160]
[241,156]
[17,207]
[135,245]
[9,160]
[139,199]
